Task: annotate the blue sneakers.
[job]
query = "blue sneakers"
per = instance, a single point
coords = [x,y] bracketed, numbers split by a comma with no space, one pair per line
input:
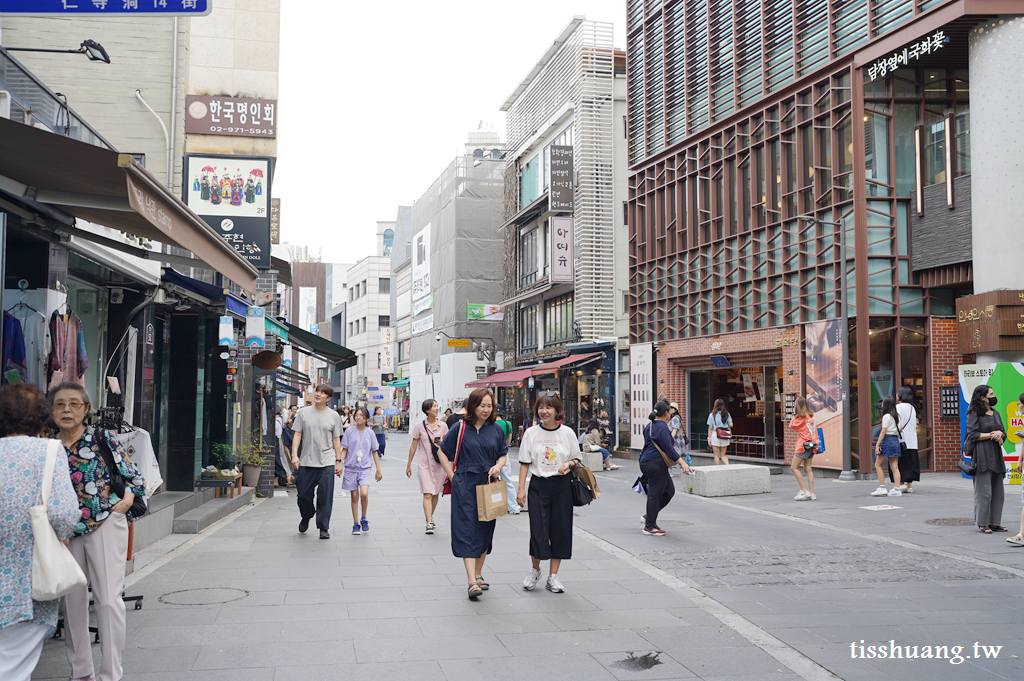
[355,528]
[365,523]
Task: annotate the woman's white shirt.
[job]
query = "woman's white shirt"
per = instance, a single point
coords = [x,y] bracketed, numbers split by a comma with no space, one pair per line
[546,450]
[908,421]
[889,425]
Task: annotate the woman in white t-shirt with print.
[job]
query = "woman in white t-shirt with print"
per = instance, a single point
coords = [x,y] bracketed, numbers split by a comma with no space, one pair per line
[546,453]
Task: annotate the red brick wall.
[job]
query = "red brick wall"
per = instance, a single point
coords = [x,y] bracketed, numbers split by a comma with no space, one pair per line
[672,379]
[944,357]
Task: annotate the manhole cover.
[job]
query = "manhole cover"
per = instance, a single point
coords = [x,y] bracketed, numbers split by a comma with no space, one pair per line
[951,522]
[208,596]
[675,523]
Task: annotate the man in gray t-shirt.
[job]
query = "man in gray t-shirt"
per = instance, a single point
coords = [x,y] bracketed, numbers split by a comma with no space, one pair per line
[318,437]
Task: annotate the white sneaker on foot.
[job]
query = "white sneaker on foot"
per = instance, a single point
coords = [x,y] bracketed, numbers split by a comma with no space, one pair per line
[880,492]
[801,496]
[531,580]
[895,492]
[903,487]
[554,586]
[812,497]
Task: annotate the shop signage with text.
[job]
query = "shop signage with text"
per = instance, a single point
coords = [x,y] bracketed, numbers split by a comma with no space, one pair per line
[561,250]
[560,195]
[235,116]
[990,322]
[908,54]
[459,343]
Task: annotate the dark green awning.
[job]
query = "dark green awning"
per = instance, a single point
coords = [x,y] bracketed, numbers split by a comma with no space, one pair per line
[337,355]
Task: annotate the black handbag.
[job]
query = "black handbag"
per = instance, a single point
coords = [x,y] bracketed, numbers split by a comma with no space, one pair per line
[434,449]
[582,494]
[968,467]
[117,484]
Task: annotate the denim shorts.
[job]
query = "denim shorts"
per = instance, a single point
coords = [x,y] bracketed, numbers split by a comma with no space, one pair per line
[890,446]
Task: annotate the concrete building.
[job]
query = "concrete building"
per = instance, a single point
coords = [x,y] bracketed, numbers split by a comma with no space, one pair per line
[566,274]
[456,263]
[368,321]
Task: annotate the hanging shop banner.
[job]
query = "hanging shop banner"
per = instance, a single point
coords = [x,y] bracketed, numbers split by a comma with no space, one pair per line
[235,116]
[227,330]
[232,194]
[1007,380]
[423,325]
[560,194]
[255,327]
[307,306]
[561,250]
[823,377]
[421,263]
[424,304]
[387,361]
[484,312]
[641,392]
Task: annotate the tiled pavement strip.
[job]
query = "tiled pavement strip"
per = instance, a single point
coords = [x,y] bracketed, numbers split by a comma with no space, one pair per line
[753,587]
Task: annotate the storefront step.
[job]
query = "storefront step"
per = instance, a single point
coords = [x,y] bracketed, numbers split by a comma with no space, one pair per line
[198,519]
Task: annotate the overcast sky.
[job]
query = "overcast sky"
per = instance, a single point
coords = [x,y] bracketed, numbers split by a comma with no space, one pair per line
[376,99]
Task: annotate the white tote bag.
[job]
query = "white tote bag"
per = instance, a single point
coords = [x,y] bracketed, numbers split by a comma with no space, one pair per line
[55,571]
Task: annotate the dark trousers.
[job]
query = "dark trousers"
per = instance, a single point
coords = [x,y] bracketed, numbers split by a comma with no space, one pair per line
[549,501]
[321,480]
[381,442]
[660,489]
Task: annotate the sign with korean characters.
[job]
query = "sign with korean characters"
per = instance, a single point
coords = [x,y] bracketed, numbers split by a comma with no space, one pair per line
[560,194]
[236,116]
[421,263]
[139,8]
[232,195]
[641,393]
[907,55]
[484,312]
[387,360]
[561,250]
[990,322]
[275,221]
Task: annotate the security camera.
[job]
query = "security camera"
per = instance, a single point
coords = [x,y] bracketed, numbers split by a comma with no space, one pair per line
[438,337]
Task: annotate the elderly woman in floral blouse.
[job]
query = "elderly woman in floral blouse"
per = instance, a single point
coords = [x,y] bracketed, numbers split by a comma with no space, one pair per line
[100,544]
[25,623]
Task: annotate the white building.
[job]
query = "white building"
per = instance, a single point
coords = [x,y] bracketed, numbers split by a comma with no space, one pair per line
[368,321]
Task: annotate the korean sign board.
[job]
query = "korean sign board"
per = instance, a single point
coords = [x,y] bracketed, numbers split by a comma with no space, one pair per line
[908,54]
[275,221]
[232,194]
[240,117]
[421,263]
[166,8]
[561,250]
[560,195]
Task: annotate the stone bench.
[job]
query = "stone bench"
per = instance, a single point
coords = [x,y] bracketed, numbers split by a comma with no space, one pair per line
[727,481]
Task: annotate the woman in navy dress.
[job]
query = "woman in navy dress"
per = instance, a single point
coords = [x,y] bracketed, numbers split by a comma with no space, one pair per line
[480,460]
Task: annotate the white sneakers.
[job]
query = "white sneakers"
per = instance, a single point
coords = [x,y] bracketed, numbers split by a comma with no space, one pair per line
[806,496]
[895,492]
[554,586]
[531,580]
[880,492]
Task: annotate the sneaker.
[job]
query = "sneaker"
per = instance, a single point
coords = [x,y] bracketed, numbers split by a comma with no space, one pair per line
[355,529]
[324,534]
[880,492]
[909,490]
[430,528]
[515,512]
[303,526]
[654,531]
[554,586]
[812,497]
[531,580]
[895,492]
[801,496]
[903,487]
[613,467]
[365,523]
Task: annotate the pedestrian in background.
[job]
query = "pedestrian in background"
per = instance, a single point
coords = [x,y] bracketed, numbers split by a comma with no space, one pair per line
[1018,539]
[452,420]
[481,449]
[658,446]
[379,426]
[910,462]
[24,623]
[679,437]
[592,442]
[506,472]
[346,417]
[887,448]
[447,414]
[806,447]
[100,544]
[317,436]
[426,439]
[282,471]
[546,455]
[985,430]
[719,421]
[359,452]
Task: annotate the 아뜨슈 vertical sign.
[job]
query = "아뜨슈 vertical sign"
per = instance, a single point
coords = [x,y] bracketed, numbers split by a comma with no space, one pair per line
[561,250]
[561,191]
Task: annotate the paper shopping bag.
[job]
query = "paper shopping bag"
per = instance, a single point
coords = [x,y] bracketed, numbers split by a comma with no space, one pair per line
[491,501]
[588,477]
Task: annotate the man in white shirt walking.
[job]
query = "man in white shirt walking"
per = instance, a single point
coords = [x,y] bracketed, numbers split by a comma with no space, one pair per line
[318,434]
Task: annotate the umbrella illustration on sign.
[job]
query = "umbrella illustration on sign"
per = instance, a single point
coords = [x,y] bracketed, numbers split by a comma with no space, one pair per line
[209,169]
[257,172]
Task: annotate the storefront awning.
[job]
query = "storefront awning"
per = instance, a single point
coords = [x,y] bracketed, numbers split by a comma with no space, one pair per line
[109,189]
[288,390]
[233,303]
[565,362]
[514,378]
[338,355]
[398,383]
[292,375]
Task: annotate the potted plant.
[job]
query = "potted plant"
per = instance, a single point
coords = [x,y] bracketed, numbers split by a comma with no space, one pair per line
[251,456]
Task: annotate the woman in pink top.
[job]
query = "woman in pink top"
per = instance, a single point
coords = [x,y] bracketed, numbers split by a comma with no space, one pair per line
[426,436]
[806,446]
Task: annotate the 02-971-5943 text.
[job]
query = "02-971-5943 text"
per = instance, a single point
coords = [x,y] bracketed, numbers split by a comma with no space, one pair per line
[891,651]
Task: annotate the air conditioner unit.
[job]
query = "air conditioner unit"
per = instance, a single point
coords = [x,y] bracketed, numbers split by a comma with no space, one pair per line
[5,104]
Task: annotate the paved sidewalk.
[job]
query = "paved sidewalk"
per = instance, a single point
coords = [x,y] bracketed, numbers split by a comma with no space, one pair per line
[754,587]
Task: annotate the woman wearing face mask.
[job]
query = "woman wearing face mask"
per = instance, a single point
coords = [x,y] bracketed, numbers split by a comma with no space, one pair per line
[985,430]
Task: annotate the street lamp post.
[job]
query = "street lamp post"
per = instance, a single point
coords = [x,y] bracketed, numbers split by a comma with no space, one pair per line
[847,473]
